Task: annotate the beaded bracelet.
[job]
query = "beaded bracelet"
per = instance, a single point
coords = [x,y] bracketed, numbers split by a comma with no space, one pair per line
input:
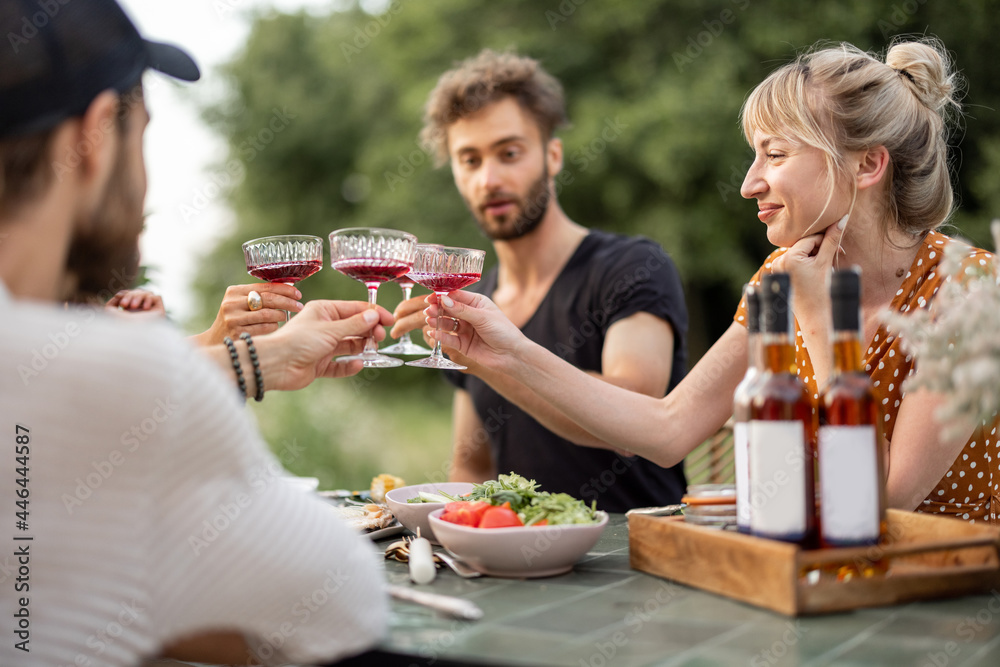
[258,376]
[236,365]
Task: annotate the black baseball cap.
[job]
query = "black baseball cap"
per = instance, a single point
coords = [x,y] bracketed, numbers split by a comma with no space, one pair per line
[56,56]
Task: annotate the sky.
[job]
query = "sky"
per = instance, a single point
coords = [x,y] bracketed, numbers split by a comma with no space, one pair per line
[186,212]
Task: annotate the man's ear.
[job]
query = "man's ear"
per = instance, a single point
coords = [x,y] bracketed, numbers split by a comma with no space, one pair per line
[554,156]
[872,166]
[88,148]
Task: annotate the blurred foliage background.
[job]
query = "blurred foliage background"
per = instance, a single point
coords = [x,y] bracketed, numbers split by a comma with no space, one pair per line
[323,112]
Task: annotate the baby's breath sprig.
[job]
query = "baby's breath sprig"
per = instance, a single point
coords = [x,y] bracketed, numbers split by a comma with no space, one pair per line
[956,342]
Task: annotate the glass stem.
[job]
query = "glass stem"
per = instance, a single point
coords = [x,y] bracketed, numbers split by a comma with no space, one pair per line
[370,347]
[437,354]
[405,338]
[288,315]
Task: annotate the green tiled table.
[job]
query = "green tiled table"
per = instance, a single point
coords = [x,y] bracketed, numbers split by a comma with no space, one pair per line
[604,613]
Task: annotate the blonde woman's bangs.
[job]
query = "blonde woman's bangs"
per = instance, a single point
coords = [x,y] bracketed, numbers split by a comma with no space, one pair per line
[775,107]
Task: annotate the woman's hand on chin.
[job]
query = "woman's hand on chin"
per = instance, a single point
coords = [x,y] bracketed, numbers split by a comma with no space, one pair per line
[809,262]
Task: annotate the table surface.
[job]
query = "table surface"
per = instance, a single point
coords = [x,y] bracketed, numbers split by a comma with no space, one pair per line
[605,613]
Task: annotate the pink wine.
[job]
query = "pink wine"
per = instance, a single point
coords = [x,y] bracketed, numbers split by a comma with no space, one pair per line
[286,272]
[405,281]
[372,271]
[444,282]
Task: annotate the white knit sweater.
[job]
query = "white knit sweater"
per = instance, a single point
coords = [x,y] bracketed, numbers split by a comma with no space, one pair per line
[154,509]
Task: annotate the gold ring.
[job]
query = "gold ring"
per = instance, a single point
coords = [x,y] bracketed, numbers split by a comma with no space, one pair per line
[254,302]
[455,324]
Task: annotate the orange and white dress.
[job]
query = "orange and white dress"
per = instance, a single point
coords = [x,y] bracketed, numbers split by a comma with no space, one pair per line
[971,488]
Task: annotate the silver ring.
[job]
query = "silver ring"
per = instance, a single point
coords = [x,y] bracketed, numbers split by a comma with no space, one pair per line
[455,324]
[254,302]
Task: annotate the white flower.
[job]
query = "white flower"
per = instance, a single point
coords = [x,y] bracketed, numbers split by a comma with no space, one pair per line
[957,340]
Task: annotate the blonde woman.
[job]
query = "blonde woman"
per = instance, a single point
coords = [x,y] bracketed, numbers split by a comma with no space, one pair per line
[850,168]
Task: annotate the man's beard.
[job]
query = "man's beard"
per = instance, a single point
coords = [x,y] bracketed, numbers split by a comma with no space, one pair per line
[105,257]
[532,210]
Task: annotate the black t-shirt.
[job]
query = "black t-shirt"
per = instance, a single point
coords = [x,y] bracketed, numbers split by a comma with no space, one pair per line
[608,278]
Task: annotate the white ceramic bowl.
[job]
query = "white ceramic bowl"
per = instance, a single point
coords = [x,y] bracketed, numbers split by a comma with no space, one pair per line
[519,552]
[414,515]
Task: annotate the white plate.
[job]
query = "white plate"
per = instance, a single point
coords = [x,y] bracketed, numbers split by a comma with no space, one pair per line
[304,483]
[337,500]
[394,529]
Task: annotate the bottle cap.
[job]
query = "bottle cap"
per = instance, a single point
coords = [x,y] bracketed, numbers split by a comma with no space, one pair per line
[845,295]
[775,301]
[751,294]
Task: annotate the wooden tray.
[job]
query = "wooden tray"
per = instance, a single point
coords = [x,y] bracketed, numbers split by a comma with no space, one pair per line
[929,557]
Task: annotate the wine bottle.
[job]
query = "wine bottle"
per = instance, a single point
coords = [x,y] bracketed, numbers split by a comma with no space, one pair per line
[741,408]
[782,430]
[851,477]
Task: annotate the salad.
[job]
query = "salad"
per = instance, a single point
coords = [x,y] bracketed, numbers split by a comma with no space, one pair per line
[511,500]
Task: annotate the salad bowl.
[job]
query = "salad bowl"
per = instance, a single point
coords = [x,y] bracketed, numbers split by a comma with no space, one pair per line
[413,516]
[519,552]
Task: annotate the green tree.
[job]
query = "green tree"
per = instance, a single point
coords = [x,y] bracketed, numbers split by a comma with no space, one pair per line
[654,88]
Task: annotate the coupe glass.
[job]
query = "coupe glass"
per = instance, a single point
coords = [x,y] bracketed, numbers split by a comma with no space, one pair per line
[444,269]
[284,259]
[405,345]
[372,256]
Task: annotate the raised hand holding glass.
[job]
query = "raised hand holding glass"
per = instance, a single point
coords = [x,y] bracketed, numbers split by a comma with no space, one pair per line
[284,259]
[444,269]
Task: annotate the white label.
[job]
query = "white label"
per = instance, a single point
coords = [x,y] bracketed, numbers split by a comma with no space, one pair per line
[741,439]
[849,483]
[778,469]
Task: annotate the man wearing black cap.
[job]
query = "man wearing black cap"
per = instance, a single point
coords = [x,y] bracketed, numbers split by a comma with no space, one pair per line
[150,517]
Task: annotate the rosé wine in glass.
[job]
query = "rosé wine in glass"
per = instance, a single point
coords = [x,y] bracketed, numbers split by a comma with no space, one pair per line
[443,269]
[372,256]
[286,272]
[368,271]
[445,282]
[284,259]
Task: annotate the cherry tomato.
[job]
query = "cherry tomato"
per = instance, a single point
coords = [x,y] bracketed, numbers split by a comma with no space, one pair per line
[500,517]
[465,513]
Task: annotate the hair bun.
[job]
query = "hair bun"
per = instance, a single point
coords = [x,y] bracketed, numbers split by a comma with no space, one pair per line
[927,67]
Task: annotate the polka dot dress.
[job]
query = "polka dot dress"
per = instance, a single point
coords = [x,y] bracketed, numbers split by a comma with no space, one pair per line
[971,488]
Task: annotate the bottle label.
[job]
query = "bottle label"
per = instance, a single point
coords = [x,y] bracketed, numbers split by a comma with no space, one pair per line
[741,440]
[778,469]
[849,484]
